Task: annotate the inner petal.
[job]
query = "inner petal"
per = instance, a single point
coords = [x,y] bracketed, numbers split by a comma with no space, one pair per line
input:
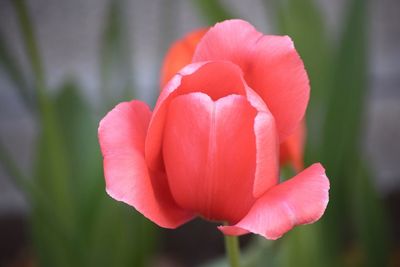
[210,155]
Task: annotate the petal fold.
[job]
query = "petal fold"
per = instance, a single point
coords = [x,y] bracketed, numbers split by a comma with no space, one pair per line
[122,135]
[300,200]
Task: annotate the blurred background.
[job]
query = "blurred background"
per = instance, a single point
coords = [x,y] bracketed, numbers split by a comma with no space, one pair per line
[64,64]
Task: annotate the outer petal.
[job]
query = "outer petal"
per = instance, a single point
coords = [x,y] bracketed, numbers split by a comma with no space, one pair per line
[122,135]
[216,79]
[180,54]
[300,200]
[292,150]
[209,153]
[271,66]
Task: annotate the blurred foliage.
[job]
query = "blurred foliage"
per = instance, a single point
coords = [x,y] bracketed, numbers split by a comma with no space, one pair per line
[353,232]
[212,11]
[74,223]
[11,67]
[115,57]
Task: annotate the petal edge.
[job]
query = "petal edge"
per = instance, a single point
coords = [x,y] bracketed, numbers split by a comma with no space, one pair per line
[300,200]
[122,134]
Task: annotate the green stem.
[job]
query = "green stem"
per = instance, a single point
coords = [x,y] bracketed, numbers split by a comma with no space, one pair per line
[232,250]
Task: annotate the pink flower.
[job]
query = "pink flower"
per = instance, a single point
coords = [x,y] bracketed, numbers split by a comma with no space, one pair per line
[210,148]
[181,53]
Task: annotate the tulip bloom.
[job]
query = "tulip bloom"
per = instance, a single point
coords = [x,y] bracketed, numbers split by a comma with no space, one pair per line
[210,147]
[181,53]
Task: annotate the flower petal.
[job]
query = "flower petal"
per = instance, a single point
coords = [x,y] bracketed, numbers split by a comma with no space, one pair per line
[180,54]
[216,79]
[292,150]
[122,135]
[278,75]
[271,67]
[231,40]
[209,155]
[267,146]
[300,200]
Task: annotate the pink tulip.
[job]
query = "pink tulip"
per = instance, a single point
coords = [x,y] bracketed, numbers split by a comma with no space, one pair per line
[210,147]
[181,54]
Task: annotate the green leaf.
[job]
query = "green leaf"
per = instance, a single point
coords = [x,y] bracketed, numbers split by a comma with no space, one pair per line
[115,56]
[121,236]
[73,209]
[303,22]
[52,177]
[103,232]
[31,47]
[370,218]
[11,67]
[302,247]
[79,132]
[341,150]
[343,121]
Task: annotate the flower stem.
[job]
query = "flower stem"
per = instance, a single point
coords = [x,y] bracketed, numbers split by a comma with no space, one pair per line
[232,250]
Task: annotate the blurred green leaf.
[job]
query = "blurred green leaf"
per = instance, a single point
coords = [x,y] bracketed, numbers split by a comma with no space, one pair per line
[213,11]
[303,22]
[121,237]
[11,67]
[53,220]
[341,149]
[343,121]
[31,46]
[302,247]
[52,157]
[370,218]
[79,131]
[103,232]
[75,219]
[116,67]
[52,176]
[113,235]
